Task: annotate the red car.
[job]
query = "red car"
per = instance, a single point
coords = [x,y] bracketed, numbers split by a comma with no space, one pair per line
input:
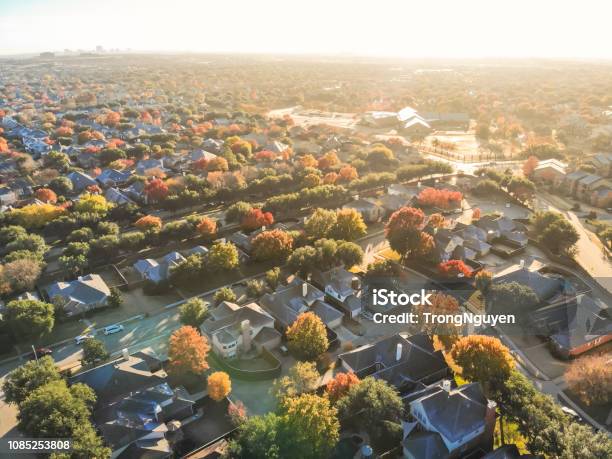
[40,352]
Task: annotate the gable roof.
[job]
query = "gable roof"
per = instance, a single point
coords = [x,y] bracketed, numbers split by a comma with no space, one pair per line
[89,289]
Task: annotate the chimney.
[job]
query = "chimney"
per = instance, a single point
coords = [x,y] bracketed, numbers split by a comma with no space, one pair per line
[398,352]
[446,385]
[125,354]
[245,326]
[304,289]
[522,264]
[355,283]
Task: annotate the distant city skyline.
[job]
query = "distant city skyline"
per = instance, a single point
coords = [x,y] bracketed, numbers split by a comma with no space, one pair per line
[433,29]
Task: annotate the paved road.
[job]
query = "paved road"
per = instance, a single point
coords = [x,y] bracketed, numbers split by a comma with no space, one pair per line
[589,253]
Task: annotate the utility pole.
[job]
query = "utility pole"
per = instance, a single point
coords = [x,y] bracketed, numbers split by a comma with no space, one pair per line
[35,354]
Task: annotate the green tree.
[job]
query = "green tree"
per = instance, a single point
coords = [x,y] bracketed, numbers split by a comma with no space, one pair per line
[94,351]
[55,411]
[559,237]
[273,277]
[375,401]
[115,298]
[302,377]
[349,254]
[29,318]
[223,256]
[193,312]
[224,294]
[24,380]
[257,438]
[320,223]
[237,211]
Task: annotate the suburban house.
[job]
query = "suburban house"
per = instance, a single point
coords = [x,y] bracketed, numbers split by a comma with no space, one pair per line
[550,170]
[504,229]
[370,211]
[463,242]
[150,166]
[288,302]
[112,177]
[137,412]
[448,423]
[158,271]
[586,185]
[80,295]
[7,196]
[545,287]
[233,330]
[571,180]
[117,197]
[601,196]
[408,363]
[145,423]
[80,180]
[343,287]
[574,326]
[602,163]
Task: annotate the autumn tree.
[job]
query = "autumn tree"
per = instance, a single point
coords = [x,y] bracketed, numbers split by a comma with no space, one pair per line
[348,173]
[483,280]
[484,359]
[148,223]
[403,231]
[92,204]
[156,190]
[309,424]
[307,336]
[445,333]
[453,269]
[590,378]
[224,294]
[338,386]
[443,199]
[274,244]
[349,254]
[256,218]
[36,215]
[349,225]
[46,195]
[219,385]
[187,352]
[193,312]
[529,165]
[207,228]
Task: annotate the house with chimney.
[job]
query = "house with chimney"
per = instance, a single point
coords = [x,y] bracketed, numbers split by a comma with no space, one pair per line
[233,330]
[446,422]
[407,363]
[343,287]
[80,295]
[288,302]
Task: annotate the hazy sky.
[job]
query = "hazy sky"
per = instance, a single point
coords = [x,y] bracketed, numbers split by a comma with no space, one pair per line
[411,28]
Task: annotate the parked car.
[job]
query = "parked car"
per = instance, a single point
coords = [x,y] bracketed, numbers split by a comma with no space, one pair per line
[40,352]
[81,338]
[113,329]
[571,413]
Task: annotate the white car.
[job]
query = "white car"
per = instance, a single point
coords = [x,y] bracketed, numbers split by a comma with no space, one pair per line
[81,338]
[113,329]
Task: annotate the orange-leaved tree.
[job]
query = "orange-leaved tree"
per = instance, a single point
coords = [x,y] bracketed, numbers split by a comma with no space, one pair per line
[148,223]
[338,386]
[187,352]
[219,385]
[207,227]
